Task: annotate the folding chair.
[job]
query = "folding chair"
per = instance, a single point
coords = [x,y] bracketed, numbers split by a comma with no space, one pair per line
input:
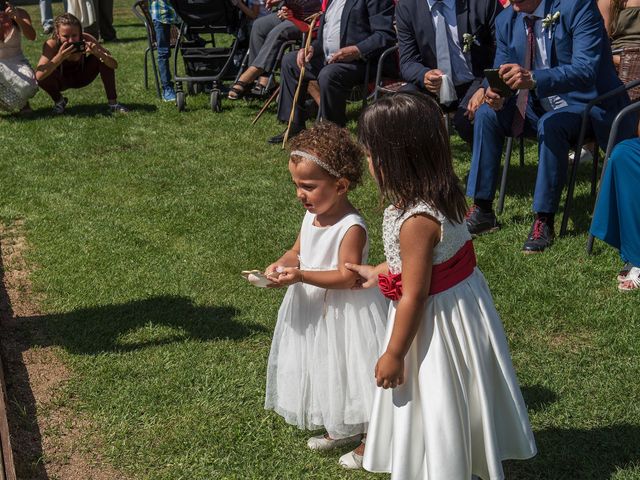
[634,107]
[141,10]
[581,141]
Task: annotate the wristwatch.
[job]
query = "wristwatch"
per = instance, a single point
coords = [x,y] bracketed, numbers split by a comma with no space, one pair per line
[535,82]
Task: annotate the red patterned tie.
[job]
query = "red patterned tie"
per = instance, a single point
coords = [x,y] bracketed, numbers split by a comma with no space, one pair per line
[523,95]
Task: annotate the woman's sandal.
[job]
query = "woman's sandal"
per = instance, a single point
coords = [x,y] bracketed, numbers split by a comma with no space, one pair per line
[624,271]
[631,282]
[237,90]
[260,90]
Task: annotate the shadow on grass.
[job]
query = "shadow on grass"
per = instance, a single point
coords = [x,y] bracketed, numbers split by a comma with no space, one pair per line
[82,110]
[537,397]
[140,324]
[585,454]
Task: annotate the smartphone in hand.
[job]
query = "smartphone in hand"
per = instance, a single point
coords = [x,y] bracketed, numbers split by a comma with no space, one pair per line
[497,84]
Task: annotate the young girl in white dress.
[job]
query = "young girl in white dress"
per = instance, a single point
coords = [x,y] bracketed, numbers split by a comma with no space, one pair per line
[328,335]
[450,406]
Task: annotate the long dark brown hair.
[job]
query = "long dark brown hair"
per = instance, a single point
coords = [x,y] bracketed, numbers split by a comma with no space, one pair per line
[614,12]
[407,140]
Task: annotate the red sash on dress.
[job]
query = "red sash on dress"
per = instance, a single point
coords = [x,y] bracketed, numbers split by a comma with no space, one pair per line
[443,276]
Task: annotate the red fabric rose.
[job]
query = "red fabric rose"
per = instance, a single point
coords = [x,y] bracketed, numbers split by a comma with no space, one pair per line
[391,285]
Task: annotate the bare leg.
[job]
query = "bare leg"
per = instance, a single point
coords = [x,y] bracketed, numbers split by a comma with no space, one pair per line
[314,90]
[242,85]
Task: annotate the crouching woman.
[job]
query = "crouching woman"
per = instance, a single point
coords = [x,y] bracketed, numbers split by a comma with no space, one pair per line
[17,80]
[73,59]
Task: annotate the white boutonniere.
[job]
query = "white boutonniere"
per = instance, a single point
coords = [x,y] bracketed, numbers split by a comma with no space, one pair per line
[468,40]
[550,20]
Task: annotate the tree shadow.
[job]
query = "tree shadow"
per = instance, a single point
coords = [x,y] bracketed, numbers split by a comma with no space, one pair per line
[139,324]
[123,328]
[537,397]
[26,439]
[573,453]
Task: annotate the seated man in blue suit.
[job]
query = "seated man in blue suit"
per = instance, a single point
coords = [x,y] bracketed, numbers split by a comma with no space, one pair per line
[557,54]
[462,50]
[351,32]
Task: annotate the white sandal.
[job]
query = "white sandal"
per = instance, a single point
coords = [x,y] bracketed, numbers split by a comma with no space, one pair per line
[631,281]
[322,443]
[351,461]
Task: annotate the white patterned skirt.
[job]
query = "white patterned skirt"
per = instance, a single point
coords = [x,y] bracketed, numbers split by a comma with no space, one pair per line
[17,83]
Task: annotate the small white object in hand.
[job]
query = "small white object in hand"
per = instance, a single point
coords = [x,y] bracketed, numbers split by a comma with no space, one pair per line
[256,278]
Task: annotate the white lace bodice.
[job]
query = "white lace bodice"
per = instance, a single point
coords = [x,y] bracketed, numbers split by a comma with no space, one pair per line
[452,237]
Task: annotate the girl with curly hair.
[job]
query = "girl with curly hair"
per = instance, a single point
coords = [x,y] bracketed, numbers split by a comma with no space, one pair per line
[328,335]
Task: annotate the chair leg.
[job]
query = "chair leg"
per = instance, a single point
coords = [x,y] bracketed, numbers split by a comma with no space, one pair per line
[505,169]
[522,151]
[146,69]
[155,73]
[590,244]
[570,188]
[594,173]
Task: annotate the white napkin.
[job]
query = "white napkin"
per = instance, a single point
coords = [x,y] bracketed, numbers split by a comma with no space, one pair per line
[447,90]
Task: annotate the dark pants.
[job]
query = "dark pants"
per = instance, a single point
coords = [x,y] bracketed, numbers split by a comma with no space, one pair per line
[77,76]
[557,132]
[336,81]
[268,34]
[163,41]
[463,126]
[104,14]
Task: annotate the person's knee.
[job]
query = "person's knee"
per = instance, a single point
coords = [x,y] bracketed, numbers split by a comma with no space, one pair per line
[330,76]
[485,115]
[554,126]
[290,64]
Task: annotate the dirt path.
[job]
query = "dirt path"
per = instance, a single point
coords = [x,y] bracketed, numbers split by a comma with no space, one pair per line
[49,440]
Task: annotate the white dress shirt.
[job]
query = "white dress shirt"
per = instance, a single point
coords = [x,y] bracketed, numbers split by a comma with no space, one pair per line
[460,62]
[542,58]
[331,28]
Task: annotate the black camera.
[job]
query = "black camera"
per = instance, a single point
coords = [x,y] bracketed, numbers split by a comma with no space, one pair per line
[78,46]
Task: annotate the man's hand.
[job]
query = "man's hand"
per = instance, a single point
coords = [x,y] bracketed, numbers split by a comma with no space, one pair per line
[284,13]
[493,99]
[515,76]
[433,80]
[345,55]
[475,101]
[302,58]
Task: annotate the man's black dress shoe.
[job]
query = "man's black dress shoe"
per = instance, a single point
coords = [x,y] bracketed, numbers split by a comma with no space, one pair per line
[295,130]
[540,237]
[479,222]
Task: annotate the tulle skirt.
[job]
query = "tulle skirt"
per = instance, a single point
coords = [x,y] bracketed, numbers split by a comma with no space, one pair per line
[460,411]
[321,366]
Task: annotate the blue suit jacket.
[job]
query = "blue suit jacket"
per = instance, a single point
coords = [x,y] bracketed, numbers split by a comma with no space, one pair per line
[367,24]
[417,37]
[581,66]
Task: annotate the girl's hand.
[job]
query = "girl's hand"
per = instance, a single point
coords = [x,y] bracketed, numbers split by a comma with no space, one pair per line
[288,276]
[368,275]
[273,268]
[389,371]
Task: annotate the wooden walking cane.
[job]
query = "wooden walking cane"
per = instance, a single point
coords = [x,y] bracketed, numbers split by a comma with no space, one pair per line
[266,105]
[312,21]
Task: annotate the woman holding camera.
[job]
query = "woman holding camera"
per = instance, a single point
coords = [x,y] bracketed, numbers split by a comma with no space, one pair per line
[17,80]
[73,59]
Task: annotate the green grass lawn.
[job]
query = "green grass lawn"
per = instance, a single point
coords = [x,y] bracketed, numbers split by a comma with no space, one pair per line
[139,226]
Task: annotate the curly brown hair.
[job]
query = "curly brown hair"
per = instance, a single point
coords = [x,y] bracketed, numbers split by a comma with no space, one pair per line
[334,146]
